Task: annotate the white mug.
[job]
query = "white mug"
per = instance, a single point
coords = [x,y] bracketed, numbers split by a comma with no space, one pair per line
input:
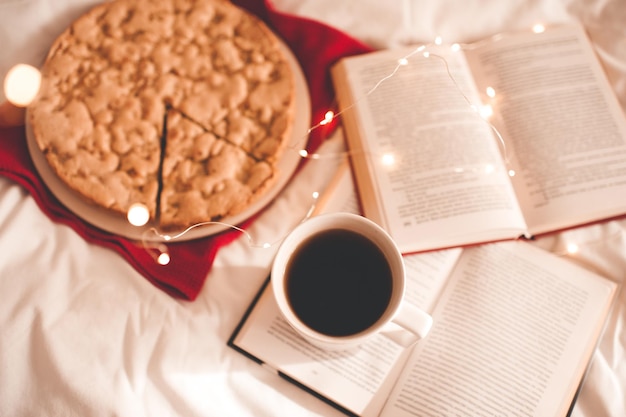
[332,260]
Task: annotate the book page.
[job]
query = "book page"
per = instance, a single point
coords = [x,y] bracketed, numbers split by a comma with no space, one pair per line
[562,125]
[351,379]
[429,172]
[512,335]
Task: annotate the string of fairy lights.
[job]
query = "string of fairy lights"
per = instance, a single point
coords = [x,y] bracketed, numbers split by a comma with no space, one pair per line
[22,83]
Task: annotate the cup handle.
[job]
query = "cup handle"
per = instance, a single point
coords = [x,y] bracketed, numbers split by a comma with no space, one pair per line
[409,325]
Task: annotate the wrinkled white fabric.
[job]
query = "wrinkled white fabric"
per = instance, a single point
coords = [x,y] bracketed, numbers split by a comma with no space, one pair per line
[83,334]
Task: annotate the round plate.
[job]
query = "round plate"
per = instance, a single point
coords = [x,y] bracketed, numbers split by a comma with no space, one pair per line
[117,224]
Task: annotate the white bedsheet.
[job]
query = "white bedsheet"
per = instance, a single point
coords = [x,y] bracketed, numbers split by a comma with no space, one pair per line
[82,333]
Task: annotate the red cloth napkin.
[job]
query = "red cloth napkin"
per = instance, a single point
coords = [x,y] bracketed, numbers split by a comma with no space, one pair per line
[315,45]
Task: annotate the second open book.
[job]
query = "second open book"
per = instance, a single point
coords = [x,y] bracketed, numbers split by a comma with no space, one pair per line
[436,171]
[514,330]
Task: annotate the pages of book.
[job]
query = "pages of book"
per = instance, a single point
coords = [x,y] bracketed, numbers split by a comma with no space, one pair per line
[563,129]
[514,332]
[436,171]
[425,163]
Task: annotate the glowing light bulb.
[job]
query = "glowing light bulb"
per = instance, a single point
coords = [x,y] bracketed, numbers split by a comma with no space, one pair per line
[455,47]
[539,28]
[572,248]
[388,159]
[316,195]
[486,111]
[138,214]
[491,92]
[303,153]
[511,173]
[489,169]
[403,61]
[21,84]
[164,258]
[266,245]
[426,54]
[328,117]
[438,40]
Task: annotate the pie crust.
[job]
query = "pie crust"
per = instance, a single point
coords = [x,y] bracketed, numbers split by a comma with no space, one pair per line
[183,106]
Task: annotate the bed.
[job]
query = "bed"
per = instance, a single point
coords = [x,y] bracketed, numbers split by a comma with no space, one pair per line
[84,333]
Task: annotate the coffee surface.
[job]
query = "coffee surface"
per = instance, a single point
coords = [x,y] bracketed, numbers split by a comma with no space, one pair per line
[338,282]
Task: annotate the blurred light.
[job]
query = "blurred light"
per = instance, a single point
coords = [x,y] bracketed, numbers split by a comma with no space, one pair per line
[164,258]
[572,248]
[539,28]
[388,159]
[138,214]
[486,111]
[21,84]
[328,117]
[491,92]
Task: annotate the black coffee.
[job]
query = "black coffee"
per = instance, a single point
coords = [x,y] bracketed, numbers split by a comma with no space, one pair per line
[338,282]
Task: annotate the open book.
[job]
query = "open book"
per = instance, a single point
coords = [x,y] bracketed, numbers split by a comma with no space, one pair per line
[515,328]
[435,170]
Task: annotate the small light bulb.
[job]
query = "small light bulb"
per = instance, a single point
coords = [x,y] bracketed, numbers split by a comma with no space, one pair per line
[572,248]
[491,92]
[511,173]
[266,245]
[303,153]
[438,40]
[328,117]
[426,54]
[164,258]
[138,214]
[388,159]
[489,169]
[455,47]
[21,84]
[486,111]
[539,28]
[316,195]
[403,61]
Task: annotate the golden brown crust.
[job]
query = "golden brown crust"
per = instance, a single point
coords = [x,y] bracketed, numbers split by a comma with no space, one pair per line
[109,78]
[206,178]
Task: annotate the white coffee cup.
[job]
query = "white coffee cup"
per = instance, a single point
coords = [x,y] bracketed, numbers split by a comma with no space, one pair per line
[310,292]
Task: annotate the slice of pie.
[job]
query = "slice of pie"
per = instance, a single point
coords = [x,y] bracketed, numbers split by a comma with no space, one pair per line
[205,177]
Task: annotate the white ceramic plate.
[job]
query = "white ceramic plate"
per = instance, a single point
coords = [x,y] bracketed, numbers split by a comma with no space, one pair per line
[116,224]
